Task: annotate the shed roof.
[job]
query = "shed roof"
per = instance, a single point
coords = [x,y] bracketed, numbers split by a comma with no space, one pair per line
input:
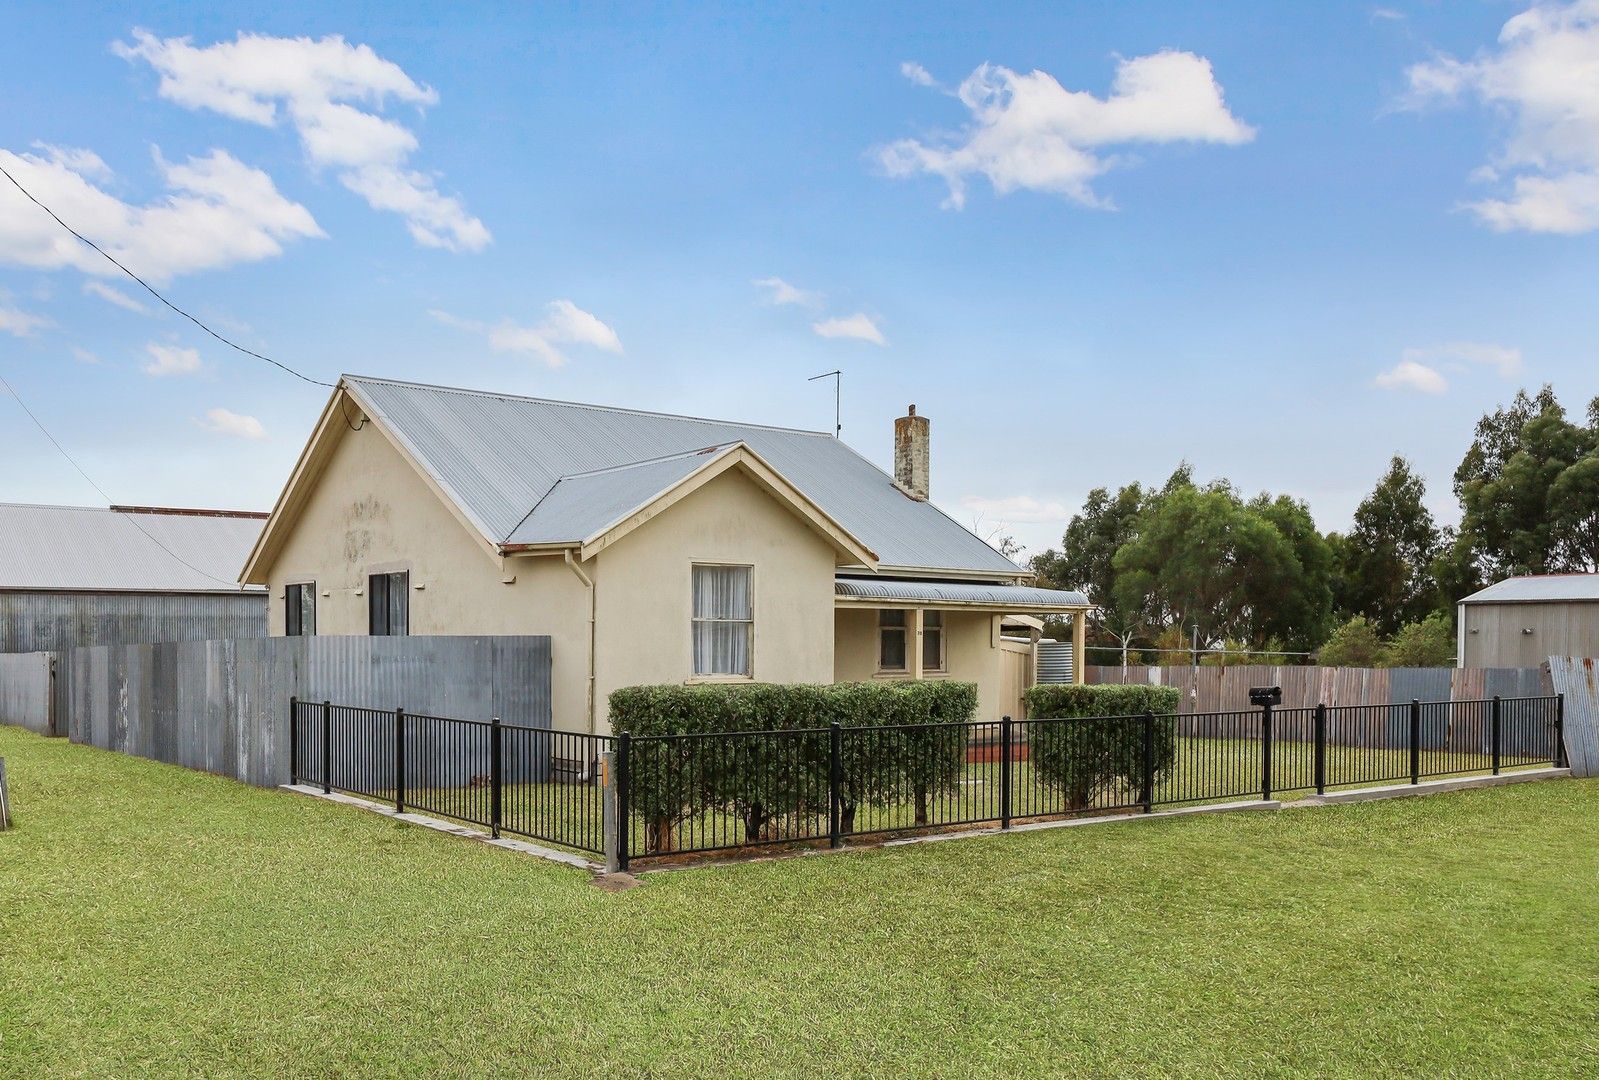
[94,549]
[1538,588]
[505,460]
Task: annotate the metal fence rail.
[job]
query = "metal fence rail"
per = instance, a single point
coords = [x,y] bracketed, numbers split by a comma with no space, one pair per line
[719,791]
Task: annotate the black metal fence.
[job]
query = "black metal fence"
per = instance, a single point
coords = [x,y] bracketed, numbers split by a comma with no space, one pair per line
[711,792]
[507,778]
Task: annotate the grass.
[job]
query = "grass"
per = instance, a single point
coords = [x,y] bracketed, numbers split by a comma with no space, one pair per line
[160,922]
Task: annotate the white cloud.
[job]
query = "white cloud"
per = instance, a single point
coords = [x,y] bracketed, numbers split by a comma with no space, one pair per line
[1027,131]
[859,326]
[1411,375]
[84,355]
[75,159]
[564,323]
[1543,78]
[312,84]
[1503,359]
[781,292]
[19,323]
[219,212]
[1017,509]
[235,425]
[917,74]
[167,360]
[114,296]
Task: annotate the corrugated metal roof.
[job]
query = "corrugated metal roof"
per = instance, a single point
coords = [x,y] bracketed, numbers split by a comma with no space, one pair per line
[499,455]
[1549,588]
[578,507]
[95,550]
[958,592]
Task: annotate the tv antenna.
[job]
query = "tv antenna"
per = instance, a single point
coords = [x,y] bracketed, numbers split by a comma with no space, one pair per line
[838,396]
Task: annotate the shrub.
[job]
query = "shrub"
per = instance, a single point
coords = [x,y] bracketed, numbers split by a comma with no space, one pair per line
[1429,643]
[1354,644]
[903,758]
[1085,745]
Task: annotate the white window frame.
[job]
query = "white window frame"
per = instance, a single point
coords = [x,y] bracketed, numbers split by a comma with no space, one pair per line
[309,588]
[936,668]
[749,624]
[904,630]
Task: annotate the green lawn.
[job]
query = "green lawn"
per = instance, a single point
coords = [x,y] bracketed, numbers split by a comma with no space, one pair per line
[155,921]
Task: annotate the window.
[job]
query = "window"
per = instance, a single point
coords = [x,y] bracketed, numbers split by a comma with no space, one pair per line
[388,604]
[299,610]
[933,640]
[891,633]
[723,620]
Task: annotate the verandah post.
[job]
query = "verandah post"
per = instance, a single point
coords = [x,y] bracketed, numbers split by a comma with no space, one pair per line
[495,779]
[327,747]
[835,784]
[1005,735]
[294,740]
[1494,725]
[1415,741]
[1321,748]
[399,761]
[624,807]
[1147,794]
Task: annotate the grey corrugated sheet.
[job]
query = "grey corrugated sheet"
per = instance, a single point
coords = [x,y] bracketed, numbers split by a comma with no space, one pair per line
[36,621]
[577,507]
[1055,663]
[499,455]
[97,550]
[956,592]
[25,691]
[1578,680]
[1538,587]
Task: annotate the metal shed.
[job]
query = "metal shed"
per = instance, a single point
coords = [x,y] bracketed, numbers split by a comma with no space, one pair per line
[1522,621]
[73,576]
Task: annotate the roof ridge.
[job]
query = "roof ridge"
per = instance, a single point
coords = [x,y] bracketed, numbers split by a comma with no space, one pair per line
[641,462]
[585,405]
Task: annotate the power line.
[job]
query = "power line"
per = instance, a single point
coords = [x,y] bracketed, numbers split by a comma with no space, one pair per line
[152,292]
[110,502]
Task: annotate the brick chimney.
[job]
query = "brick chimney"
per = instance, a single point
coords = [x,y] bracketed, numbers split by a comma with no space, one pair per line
[911,454]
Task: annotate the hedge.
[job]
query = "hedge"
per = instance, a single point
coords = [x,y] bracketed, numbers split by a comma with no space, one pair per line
[761,781]
[1094,748]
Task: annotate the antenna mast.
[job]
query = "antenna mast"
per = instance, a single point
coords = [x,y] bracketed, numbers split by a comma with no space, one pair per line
[838,397]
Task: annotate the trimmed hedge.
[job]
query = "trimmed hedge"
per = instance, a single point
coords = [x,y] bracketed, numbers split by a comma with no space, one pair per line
[1094,749]
[761,781]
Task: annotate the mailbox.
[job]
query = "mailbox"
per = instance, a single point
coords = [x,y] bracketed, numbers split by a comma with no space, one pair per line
[1265,695]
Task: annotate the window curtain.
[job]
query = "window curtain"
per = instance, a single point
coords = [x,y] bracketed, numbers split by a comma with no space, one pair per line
[722,620]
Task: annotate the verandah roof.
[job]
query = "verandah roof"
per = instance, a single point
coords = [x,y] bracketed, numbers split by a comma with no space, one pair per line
[999,598]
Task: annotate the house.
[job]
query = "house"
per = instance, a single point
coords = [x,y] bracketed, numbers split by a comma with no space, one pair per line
[650,548]
[1522,621]
[77,575]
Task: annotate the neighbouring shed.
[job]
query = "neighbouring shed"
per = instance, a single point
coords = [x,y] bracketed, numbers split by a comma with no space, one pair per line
[73,576]
[1522,621]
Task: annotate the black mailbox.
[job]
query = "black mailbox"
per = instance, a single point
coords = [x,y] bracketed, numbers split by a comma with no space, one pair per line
[1265,695]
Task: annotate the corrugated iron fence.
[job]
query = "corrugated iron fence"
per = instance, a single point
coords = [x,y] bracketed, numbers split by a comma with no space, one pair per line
[222,706]
[1216,689]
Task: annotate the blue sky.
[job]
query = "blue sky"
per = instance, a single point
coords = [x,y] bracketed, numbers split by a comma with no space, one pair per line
[1281,241]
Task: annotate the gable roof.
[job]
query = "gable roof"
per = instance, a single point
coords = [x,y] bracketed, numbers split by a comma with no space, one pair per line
[94,549]
[520,467]
[1535,588]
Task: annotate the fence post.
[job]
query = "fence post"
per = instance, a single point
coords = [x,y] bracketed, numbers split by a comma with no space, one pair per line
[1560,761]
[1004,770]
[1265,752]
[1321,748]
[1494,725]
[835,784]
[609,816]
[1147,794]
[399,761]
[294,740]
[1415,741]
[327,748]
[624,808]
[495,778]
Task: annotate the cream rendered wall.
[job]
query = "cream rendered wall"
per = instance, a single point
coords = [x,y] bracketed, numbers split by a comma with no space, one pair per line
[371,512]
[644,603]
[971,654]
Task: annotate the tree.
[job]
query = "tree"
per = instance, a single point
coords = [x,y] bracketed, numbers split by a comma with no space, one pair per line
[1529,489]
[1386,560]
[1086,561]
[1354,644]
[1298,619]
[1428,643]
